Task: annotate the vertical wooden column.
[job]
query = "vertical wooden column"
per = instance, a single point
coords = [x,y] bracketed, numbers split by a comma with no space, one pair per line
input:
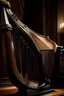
[6,86]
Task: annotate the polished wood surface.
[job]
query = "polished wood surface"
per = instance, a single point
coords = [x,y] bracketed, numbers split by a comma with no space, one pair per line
[8,90]
[6,87]
[55,93]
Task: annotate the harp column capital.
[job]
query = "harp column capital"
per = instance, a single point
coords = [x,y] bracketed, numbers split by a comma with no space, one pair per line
[4,22]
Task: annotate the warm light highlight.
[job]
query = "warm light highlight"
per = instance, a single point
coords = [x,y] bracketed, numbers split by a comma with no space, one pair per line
[62,25]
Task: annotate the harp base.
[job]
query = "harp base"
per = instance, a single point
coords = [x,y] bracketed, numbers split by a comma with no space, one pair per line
[40,91]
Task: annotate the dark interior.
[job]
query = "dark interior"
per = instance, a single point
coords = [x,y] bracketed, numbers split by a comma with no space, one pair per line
[31,47]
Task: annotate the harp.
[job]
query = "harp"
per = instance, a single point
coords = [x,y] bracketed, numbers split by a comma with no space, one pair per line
[30,55]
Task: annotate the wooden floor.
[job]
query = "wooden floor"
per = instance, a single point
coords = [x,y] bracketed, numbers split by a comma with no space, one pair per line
[10,92]
[57,92]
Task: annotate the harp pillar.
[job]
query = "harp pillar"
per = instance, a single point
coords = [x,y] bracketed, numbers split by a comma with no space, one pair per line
[6,86]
